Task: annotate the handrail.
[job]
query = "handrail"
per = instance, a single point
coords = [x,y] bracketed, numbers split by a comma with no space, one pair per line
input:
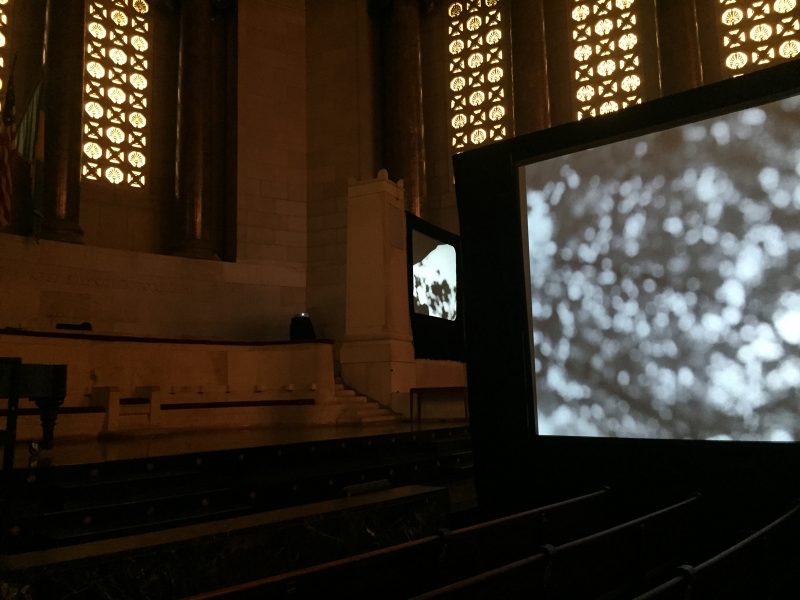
[440,538]
[689,571]
[628,524]
[748,540]
[464,584]
[528,513]
[295,574]
[549,552]
[670,584]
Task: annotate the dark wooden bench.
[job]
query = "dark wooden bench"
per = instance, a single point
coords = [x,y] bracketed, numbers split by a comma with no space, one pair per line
[763,565]
[585,567]
[406,569]
[415,395]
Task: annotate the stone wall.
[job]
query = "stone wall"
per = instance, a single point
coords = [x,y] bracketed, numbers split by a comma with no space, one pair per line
[342,143]
[122,292]
[125,290]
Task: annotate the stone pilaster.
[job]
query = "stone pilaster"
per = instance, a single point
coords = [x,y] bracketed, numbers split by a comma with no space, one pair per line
[60,204]
[194,211]
[404,143]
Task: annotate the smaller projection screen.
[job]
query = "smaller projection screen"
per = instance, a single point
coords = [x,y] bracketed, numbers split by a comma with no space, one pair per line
[665,281]
[433,274]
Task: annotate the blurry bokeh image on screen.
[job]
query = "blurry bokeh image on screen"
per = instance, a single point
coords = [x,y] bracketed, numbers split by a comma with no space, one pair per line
[664,282]
[434,277]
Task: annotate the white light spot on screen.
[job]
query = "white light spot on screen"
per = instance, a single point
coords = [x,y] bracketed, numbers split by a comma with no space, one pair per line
[713,327]
[721,132]
[780,435]
[673,226]
[750,264]
[710,235]
[694,133]
[571,176]
[761,349]
[753,116]
[732,292]
[787,323]
[685,377]
[786,377]
[708,187]
[769,178]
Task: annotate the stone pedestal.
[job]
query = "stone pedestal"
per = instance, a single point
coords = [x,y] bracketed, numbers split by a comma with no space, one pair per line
[377,356]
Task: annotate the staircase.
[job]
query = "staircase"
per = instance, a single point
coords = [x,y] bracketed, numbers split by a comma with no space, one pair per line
[355,408]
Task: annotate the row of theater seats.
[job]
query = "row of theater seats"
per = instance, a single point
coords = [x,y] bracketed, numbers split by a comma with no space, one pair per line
[583,547]
[56,506]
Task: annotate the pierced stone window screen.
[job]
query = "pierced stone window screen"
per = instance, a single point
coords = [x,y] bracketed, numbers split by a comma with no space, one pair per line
[5,59]
[116,94]
[756,33]
[478,73]
[605,56]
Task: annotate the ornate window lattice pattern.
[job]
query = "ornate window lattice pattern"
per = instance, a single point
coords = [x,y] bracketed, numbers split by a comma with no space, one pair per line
[605,55]
[478,73]
[756,33]
[4,58]
[115,96]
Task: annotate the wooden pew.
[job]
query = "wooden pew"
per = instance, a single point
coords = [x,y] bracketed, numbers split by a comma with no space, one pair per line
[763,565]
[585,567]
[407,569]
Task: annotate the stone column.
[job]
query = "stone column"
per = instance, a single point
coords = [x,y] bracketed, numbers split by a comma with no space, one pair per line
[63,71]
[529,49]
[404,142]
[679,46]
[194,211]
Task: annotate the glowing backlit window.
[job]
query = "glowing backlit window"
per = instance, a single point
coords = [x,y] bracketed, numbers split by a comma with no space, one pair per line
[756,33]
[478,73]
[5,5]
[605,56]
[116,91]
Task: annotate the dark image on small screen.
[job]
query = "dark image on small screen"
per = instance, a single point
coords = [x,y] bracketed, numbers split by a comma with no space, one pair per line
[434,277]
[664,282]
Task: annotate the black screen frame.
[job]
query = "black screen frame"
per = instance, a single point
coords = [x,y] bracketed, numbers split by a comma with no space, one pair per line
[499,358]
[435,338]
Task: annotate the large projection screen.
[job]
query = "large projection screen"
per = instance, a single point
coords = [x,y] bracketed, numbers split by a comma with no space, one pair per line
[664,276]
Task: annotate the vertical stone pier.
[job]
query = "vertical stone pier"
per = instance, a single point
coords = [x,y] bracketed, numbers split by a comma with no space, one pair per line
[377,356]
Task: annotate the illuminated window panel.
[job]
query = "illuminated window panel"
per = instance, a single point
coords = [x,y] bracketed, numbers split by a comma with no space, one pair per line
[479,72]
[5,10]
[756,33]
[605,56]
[116,92]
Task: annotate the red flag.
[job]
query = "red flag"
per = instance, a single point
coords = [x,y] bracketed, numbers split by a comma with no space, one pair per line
[7,150]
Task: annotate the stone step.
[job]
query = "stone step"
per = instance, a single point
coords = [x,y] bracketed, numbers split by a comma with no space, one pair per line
[134,410]
[348,401]
[385,418]
[372,408]
[341,393]
[134,421]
